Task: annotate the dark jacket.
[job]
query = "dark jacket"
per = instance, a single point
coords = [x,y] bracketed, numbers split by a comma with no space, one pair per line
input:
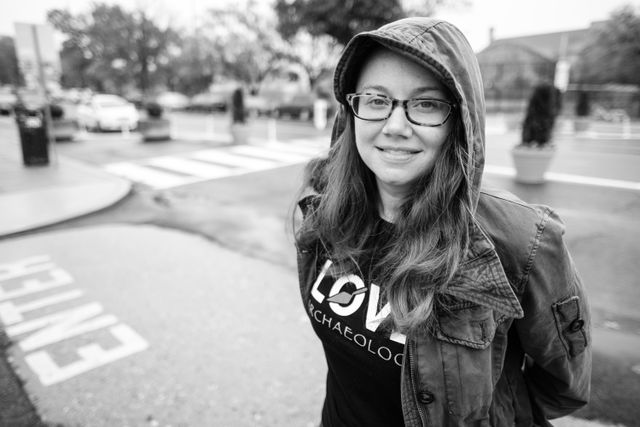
[514,348]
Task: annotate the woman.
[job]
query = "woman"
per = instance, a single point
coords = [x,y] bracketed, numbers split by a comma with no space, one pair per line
[438,303]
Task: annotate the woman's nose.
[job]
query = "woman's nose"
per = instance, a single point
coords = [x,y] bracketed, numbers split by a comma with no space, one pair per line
[397,123]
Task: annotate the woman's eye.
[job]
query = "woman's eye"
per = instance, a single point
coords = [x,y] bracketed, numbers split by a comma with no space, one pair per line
[427,104]
[377,101]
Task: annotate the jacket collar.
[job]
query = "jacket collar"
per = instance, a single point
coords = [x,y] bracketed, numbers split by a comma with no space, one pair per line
[481,278]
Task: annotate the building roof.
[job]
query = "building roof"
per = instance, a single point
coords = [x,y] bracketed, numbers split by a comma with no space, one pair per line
[553,46]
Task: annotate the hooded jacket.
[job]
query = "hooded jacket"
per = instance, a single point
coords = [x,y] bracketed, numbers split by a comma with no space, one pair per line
[514,350]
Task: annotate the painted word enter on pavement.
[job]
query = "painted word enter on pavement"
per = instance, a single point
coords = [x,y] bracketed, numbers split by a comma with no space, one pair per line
[40,310]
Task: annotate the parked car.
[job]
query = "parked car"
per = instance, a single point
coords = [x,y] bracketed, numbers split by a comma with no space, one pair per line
[286,90]
[172,101]
[615,115]
[215,99]
[8,100]
[134,96]
[107,112]
[207,101]
[299,105]
[257,105]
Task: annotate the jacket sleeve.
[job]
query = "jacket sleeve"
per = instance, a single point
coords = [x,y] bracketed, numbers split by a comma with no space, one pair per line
[555,331]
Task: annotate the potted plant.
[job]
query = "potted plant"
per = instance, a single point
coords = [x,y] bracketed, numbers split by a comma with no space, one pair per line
[583,109]
[533,155]
[238,117]
[154,127]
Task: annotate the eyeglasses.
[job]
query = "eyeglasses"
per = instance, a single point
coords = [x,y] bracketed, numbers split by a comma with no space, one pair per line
[419,111]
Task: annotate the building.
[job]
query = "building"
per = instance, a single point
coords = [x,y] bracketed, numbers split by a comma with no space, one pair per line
[511,67]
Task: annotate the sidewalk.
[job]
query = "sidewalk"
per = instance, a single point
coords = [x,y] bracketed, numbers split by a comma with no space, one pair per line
[37,196]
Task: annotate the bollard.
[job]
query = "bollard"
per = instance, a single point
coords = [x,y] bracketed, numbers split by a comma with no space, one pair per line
[210,128]
[626,127]
[271,130]
[320,114]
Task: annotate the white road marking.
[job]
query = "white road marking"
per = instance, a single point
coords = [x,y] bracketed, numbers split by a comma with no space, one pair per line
[269,153]
[202,136]
[190,167]
[570,421]
[24,267]
[571,179]
[222,157]
[57,277]
[301,147]
[11,313]
[149,176]
[56,327]
[91,356]
[58,322]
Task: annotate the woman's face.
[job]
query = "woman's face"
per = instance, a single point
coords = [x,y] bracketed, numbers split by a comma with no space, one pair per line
[395,150]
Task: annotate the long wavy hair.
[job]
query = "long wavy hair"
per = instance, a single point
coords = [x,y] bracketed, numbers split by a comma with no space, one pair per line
[430,234]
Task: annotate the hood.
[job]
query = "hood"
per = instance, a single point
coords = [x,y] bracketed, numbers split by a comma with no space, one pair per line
[440,47]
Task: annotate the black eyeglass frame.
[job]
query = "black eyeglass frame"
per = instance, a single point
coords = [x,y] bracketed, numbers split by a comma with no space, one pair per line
[404,103]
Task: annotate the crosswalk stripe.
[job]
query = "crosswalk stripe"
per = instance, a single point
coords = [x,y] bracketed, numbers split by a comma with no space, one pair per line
[145,175]
[269,153]
[304,149]
[164,172]
[222,157]
[190,167]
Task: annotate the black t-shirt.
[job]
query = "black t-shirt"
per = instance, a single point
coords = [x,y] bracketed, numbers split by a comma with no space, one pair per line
[364,361]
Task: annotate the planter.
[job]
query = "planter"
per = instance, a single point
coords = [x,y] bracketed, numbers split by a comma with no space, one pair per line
[531,163]
[155,129]
[581,124]
[64,129]
[239,133]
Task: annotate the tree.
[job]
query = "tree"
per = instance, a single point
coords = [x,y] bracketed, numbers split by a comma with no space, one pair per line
[317,30]
[9,71]
[190,66]
[342,19]
[243,39]
[111,49]
[339,19]
[317,54]
[613,56]
[75,56]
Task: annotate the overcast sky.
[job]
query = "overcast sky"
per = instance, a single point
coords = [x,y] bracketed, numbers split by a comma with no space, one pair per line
[508,17]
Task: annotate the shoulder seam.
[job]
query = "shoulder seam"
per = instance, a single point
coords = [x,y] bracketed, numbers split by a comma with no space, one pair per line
[512,201]
[546,214]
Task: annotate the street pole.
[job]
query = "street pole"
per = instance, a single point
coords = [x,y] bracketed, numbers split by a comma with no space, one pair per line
[47,106]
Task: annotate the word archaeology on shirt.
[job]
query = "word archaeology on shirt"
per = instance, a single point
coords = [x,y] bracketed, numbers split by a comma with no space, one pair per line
[343,304]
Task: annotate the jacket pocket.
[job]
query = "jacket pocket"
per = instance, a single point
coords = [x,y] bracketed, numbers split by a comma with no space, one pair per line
[472,326]
[471,345]
[570,325]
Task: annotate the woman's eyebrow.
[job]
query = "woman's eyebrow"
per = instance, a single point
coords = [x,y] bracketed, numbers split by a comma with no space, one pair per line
[423,89]
[374,87]
[432,90]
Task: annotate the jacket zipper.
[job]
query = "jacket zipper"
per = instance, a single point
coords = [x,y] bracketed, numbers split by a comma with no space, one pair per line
[423,416]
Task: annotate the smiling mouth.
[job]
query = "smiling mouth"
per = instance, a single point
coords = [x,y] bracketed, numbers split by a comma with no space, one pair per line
[398,151]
